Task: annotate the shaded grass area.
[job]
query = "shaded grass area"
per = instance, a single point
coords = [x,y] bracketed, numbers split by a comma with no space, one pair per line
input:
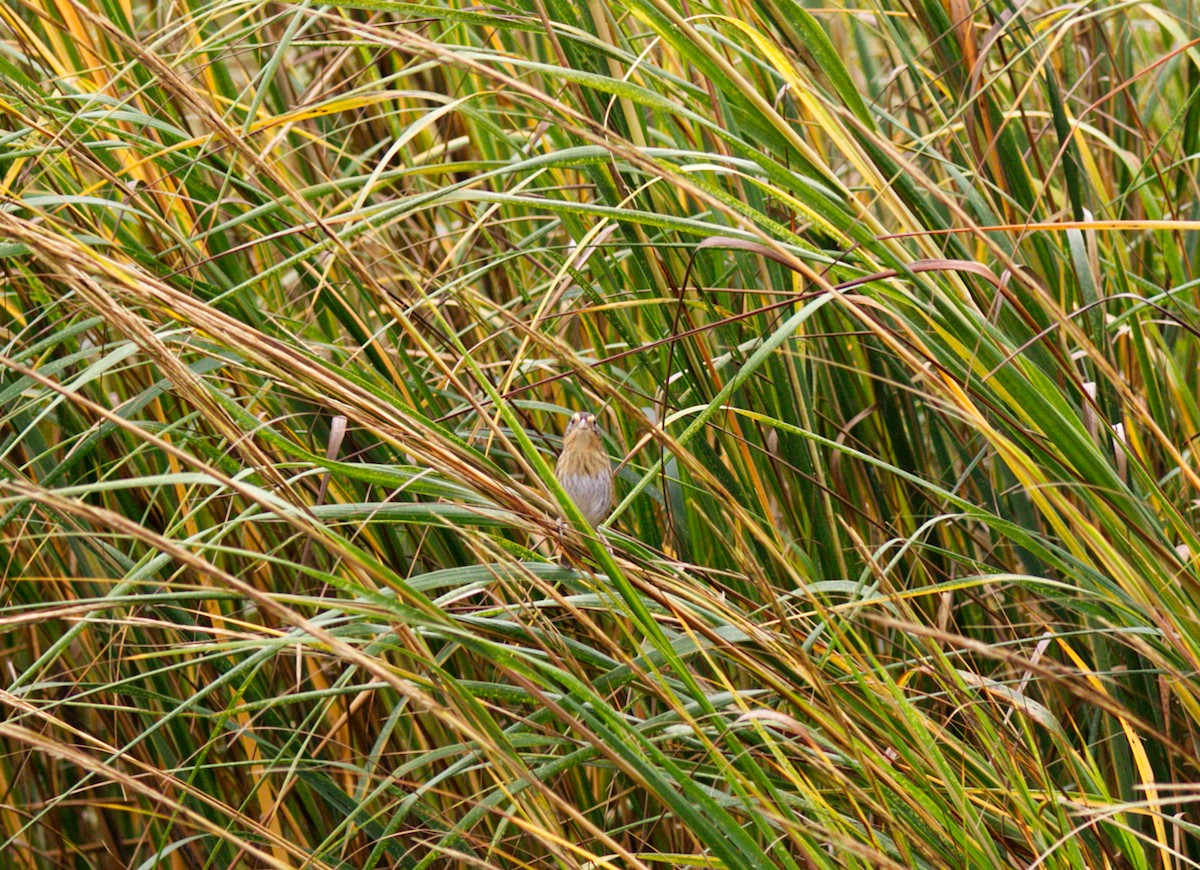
[889,316]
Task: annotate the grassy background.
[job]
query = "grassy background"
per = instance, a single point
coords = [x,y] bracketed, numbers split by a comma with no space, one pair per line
[890,315]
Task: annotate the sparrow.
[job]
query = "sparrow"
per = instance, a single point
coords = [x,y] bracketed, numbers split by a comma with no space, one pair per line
[584,469]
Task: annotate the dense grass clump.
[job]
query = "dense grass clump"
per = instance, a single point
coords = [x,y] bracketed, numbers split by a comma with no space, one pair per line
[890,315]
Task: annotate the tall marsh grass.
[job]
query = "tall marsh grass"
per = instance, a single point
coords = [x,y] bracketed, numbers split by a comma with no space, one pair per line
[891,315]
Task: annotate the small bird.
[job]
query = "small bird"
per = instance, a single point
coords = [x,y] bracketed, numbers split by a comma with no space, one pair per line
[584,468]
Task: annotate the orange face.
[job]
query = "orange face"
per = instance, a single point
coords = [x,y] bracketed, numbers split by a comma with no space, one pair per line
[583,448]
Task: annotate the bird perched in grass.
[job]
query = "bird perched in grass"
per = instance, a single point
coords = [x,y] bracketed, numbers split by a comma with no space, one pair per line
[584,469]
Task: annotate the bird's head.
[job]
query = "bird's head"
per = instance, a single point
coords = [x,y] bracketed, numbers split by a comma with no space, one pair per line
[582,422]
[582,442]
